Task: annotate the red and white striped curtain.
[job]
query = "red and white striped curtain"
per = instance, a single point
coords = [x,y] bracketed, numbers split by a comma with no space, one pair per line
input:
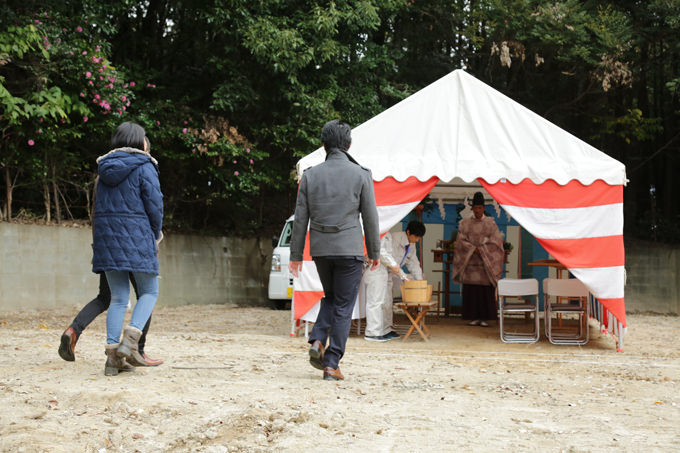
[580,226]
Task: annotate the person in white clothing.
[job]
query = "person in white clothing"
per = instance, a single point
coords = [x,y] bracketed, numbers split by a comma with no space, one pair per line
[396,250]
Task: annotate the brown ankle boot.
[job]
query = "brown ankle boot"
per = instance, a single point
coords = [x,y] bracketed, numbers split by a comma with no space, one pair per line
[148,361]
[129,347]
[67,345]
[115,364]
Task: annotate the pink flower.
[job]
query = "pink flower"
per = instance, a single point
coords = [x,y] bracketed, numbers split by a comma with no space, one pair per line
[90,82]
[85,119]
[31,142]
[79,28]
[101,69]
[251,162]
[234,162]
[184,131]
[132,84]
[84,52]
[236,173]
[123,98]
[63,121]
[98,48]
[127,103]
[110,85]
[96,96]
[158,123]
[39,131]
[247,150]
[186,122]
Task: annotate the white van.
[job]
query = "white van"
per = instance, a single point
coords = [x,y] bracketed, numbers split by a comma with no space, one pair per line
[280,288]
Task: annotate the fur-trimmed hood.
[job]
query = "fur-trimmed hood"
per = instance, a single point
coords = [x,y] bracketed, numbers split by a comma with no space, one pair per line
[116,165]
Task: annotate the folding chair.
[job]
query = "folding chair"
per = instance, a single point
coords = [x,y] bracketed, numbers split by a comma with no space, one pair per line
[526,290]
[567,297]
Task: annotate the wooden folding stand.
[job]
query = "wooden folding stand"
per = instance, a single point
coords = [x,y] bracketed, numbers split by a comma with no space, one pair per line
[416,295]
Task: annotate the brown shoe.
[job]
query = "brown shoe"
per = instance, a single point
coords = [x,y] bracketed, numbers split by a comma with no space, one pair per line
[67,346]
[332,374]
[316,355]
[151,362]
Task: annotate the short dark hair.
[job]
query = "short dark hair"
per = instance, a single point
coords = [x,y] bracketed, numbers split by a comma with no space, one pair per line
[128,134]
[336,134]
[416,227]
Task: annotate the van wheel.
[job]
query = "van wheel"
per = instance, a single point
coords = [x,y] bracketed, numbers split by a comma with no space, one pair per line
[278,304]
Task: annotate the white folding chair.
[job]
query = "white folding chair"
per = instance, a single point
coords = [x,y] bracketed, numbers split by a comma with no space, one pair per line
[526,290]
[566,298]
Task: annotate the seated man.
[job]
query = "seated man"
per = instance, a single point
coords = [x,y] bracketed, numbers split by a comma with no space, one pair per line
[396,250]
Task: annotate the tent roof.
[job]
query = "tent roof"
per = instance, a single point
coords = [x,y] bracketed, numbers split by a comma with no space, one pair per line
[460,127]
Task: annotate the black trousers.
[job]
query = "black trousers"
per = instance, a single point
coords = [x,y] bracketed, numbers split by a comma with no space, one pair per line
[479,302]
[340,278]
[99,305]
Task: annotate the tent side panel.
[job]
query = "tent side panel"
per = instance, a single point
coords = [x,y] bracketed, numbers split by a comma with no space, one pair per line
[581,226]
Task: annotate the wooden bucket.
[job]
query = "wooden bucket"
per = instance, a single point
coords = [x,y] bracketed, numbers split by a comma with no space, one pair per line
[416,291]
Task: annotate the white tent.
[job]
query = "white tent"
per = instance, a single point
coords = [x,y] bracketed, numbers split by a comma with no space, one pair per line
[565,192]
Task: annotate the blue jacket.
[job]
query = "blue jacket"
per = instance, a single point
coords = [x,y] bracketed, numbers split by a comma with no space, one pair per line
[128,213]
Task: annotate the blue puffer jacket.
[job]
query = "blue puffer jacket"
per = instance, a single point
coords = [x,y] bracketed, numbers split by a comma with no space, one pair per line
[128,212]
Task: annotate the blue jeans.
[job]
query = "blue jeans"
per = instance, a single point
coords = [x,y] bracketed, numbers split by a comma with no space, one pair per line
[147,286]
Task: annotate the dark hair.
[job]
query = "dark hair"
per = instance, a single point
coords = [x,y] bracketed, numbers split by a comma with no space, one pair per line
[336,134]
[129,135]
[478,199]
[415,227]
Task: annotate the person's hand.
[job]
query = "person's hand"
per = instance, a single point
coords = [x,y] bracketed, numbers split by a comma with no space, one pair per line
[373,264]
[295,267]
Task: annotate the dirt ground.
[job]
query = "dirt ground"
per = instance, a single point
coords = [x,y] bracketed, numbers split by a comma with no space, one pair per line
[234,380]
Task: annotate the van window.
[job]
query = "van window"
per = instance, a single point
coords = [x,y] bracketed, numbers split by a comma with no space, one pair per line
[286,235]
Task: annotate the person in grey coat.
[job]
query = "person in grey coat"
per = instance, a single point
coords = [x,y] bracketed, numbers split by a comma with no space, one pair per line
[334,199]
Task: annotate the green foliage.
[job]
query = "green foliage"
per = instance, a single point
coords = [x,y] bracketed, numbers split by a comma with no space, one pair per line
[210,80]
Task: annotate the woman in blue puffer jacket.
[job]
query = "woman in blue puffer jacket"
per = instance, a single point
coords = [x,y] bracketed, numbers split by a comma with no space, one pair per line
[128,217]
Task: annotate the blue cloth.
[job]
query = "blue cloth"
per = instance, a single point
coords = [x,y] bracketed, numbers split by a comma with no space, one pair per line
[128,213]
[147,286]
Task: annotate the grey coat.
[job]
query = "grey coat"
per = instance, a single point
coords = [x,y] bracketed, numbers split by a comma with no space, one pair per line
[330,198]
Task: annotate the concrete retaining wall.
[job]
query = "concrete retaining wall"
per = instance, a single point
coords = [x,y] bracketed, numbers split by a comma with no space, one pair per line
[653,282]
[49,266]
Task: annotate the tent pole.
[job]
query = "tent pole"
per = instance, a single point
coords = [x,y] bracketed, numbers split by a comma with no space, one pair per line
[292,317]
